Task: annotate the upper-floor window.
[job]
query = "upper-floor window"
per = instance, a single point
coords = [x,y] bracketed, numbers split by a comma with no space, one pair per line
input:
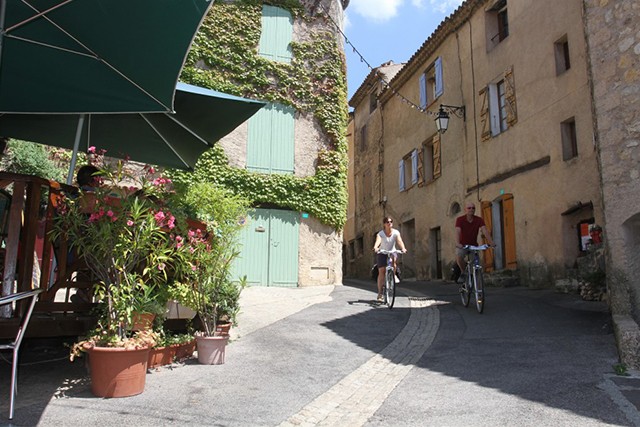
[569,139]
[363,138]
[498,106]
[276,35]
[430,161]
[408,171]
[496,23]
[373,102]
[431,84]
[561,51]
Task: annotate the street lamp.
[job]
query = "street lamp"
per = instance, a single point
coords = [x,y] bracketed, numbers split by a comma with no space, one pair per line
[442,118]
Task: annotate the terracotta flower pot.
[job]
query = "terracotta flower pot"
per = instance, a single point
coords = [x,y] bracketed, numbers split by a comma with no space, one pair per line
[211,350]
[160,356]
[117,372]
[185,350]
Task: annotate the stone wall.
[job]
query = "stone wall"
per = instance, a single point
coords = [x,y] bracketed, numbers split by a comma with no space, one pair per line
[614,54]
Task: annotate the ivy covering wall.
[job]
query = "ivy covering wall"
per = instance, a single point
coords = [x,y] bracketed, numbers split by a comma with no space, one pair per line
[224,57]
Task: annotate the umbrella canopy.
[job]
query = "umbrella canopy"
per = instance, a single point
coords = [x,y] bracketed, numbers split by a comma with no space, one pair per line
[174,140]
[94,55]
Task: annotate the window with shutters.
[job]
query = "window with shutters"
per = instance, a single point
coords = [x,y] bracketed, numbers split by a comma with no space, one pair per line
[496,24]
[276,34]
[498,110]
[408,171]
[270,144]
[431,165]
[431,84]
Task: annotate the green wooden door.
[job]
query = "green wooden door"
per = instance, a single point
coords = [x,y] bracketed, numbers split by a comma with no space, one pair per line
[269,253]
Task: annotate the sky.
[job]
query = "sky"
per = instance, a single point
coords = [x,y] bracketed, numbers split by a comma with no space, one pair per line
[383,30]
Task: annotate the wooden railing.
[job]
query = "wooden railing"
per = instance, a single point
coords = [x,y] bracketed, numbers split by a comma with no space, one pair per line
[28,256]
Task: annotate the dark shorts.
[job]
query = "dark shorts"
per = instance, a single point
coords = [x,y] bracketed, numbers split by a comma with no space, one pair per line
[381,259]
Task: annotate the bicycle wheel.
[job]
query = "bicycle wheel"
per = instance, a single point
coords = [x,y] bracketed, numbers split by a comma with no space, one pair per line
[465,288]
[390,289]
[479,290]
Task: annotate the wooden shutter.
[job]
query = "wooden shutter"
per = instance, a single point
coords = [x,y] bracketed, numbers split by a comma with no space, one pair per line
[421,179]
[509,232]
[276,34]
[485,124]
[439,82]
[486,215]
[437,170]
[510,97]
[423,91]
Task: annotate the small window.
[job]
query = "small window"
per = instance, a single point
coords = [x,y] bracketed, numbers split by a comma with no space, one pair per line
[373,102]
[431,84]
[408,171]
[569,139]
[431,159]
[359,246]
[561,50]
[363,138]
[352,250]
[498,108]
[496,24]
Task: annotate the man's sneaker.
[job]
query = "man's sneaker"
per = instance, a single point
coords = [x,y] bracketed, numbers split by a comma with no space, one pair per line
[462,278]
[396,279]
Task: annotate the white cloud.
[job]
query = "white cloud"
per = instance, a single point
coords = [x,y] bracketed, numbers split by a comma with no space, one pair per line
[383,10]
[376,10]
[442,6]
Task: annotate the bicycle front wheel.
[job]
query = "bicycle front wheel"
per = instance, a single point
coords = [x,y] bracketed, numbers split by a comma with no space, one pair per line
[465,288]
[390,289]
[479,290]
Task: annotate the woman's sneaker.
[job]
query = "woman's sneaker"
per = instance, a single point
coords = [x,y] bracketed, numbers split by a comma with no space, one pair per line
[380,298]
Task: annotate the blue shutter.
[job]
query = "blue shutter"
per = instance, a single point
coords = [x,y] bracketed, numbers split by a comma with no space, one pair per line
[271,143]
[423,91]
[401,175]
[439,83]
[276,35]
[414,167]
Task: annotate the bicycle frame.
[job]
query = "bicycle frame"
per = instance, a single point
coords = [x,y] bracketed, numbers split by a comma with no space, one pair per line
[474,281]
[389,285]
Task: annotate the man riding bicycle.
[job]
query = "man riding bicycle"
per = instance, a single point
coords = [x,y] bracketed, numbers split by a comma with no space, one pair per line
[467,228]
[386,240]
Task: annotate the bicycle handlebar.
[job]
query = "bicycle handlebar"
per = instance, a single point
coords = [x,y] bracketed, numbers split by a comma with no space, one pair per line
[384,252]
[476,248]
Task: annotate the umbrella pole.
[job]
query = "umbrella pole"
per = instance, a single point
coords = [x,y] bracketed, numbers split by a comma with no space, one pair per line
[76,147]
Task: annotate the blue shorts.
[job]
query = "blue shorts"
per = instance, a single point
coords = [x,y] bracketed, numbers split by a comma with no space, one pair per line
[381,259]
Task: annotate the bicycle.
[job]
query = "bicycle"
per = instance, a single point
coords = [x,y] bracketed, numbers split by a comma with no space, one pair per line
[389,284]
[474,280]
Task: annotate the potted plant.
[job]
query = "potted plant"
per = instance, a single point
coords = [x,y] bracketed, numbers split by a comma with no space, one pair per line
[207,260]
[170,347]
[228,305]
[125,242]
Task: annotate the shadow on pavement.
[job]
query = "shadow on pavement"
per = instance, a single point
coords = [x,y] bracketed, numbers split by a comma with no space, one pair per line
[549,348]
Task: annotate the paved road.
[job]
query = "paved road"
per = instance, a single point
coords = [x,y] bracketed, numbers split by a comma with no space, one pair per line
[325,356]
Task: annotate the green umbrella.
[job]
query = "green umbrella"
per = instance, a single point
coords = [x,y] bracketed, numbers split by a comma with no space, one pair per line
[174,140]
[94,55]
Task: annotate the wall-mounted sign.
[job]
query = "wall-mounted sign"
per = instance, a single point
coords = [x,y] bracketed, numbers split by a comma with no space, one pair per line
[305,215]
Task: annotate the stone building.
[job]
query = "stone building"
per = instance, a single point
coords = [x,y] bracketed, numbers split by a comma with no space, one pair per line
[514,81]
[283,244]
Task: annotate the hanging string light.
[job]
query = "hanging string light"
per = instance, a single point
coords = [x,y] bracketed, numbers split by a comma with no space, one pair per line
[377,74]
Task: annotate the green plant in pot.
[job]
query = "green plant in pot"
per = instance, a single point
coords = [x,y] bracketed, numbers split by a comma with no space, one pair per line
[205,277]
[123,236]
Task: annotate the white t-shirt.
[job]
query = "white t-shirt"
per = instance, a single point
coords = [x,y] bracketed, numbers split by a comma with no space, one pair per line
[388,242]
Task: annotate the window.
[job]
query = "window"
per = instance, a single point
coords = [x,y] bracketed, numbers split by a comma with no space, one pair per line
[408,171]
[373,102]
[276,35]
[430,160]
[352,250]
[496,23]
[561,50]
[359,246]
[363,138]
[431,85]
[498,110]
[569,140]
[270,144]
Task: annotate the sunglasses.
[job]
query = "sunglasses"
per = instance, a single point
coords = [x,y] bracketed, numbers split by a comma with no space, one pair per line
[388,222]
[471,209]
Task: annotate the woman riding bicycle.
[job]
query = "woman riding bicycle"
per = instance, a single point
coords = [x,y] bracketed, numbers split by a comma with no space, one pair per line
[386,240]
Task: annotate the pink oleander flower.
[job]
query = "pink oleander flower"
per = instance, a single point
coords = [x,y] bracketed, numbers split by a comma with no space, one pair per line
[161,266]
[130,223]
[159,216]
[91,150]
[110,213]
